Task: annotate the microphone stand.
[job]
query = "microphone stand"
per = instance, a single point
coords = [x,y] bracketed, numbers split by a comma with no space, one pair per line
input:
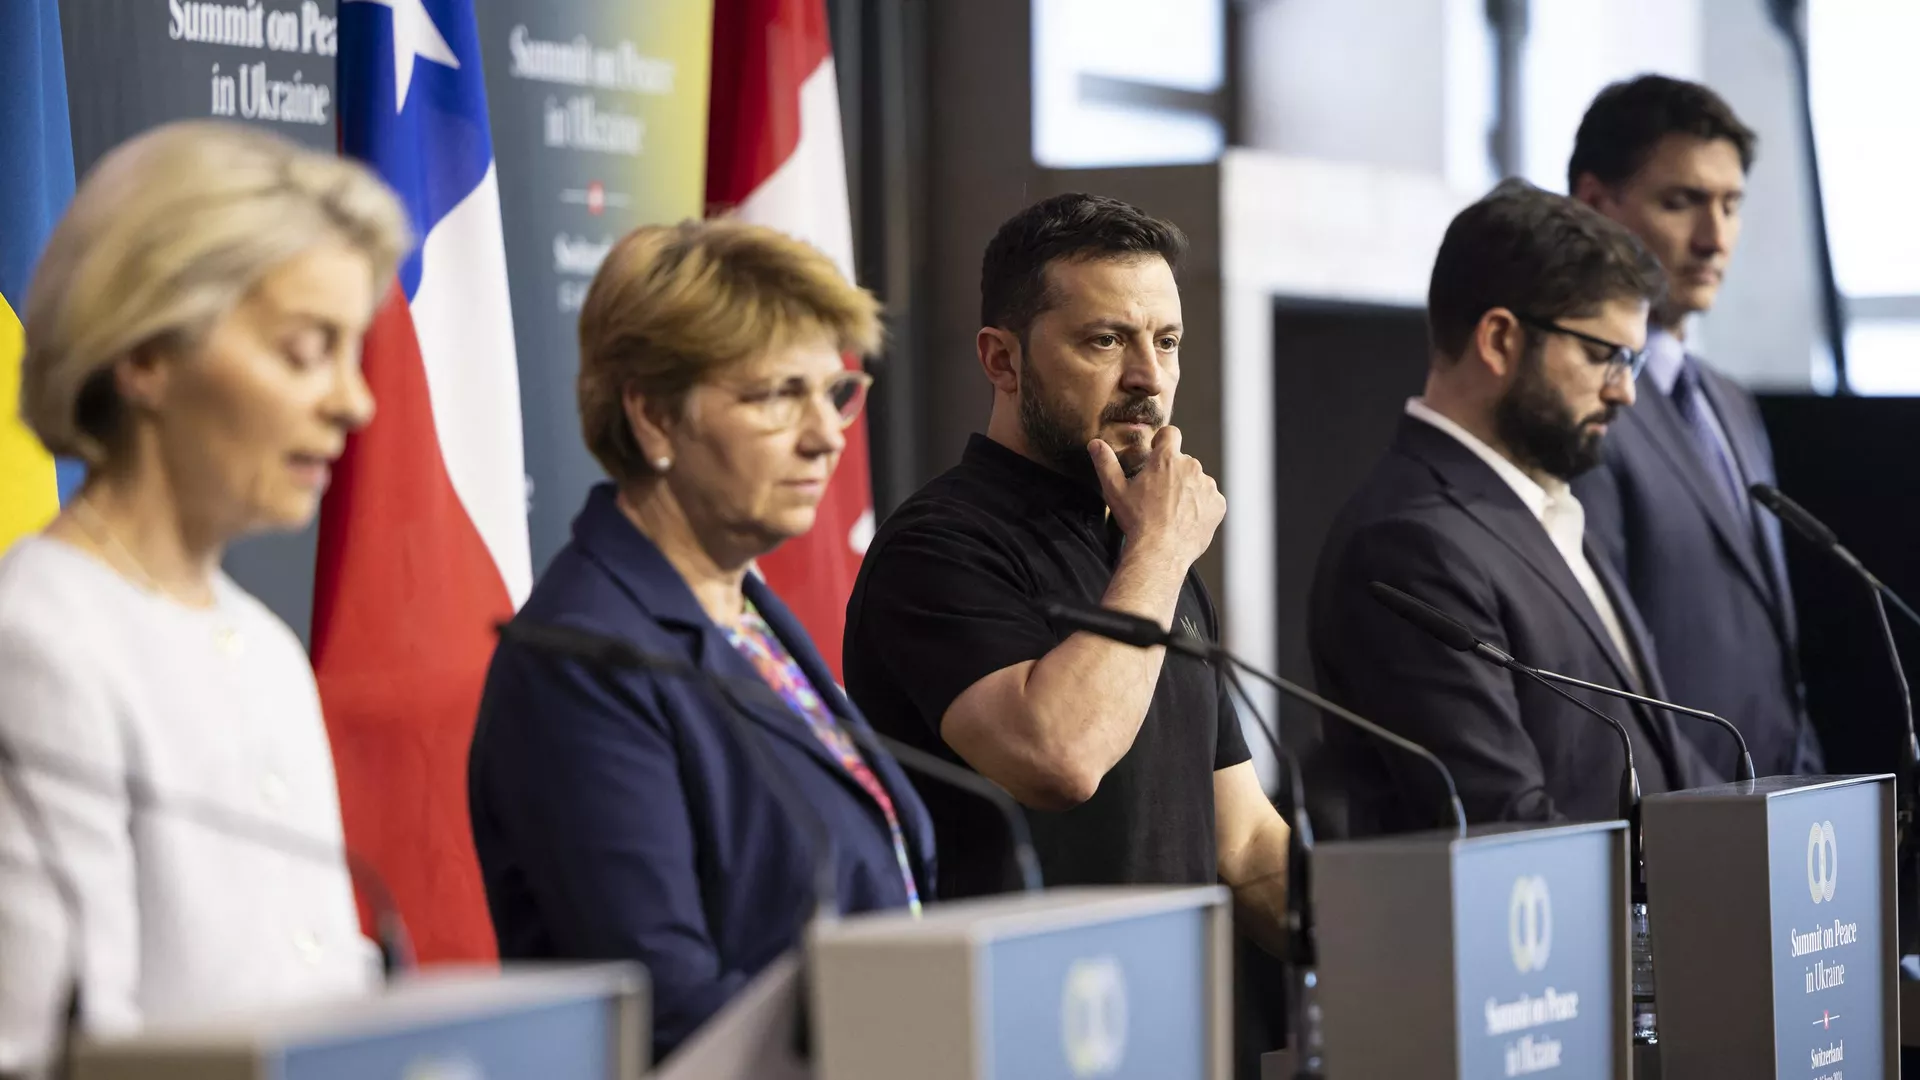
[604,655]
[1025,859]
[1907,844]
[1305,1038]
[605,651]
[396,948]
[1144,633]
[1458,636]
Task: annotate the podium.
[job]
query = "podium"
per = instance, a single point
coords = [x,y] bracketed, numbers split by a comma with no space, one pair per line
[1121,983]
[1774,924]
[1503,953]
[581,1023]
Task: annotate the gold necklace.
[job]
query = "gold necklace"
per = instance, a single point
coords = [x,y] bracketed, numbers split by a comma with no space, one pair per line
[224,636]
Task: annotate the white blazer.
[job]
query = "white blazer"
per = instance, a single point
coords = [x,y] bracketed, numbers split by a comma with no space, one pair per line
[169,752]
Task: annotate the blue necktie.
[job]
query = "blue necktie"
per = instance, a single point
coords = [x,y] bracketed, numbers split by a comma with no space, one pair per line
[1691,400]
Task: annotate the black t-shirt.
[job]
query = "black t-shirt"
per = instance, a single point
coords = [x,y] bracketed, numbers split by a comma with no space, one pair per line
[949,593]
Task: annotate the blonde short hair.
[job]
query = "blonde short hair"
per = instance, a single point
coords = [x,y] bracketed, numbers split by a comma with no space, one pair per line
[672,304]
[166,234]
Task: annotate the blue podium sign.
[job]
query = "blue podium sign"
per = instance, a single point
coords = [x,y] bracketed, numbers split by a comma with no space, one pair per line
[1122,1001]
[1537,942]
[557,1023]
[1501,954]
[1826,883]
[1113,983]
[1774,928]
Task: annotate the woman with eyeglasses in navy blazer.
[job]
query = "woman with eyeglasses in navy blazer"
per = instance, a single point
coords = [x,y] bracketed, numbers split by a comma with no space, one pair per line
[615,814]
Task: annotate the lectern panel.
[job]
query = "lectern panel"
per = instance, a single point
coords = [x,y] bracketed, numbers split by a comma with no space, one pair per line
[1121,983]
[1125,1001]
[574,1041]
[1827,889]
[1500,954]
[1537,937]
[1774,931]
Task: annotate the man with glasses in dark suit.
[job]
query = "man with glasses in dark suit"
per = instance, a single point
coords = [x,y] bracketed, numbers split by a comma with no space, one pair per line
[1537,314]
[1668,506]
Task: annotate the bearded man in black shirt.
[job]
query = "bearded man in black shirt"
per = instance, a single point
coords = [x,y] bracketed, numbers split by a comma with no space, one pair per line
[1131,769]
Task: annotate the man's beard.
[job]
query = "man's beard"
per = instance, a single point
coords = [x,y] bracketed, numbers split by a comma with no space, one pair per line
[1054,436]
[1538,429]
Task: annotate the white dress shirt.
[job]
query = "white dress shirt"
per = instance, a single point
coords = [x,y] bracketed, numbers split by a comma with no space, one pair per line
[1554,506]
[134,717]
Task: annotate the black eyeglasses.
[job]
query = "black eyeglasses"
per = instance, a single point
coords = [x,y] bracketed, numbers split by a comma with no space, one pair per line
[1619,359]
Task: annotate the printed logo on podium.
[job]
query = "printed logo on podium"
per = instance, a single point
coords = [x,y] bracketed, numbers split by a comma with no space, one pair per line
[1093,1016]
[1823,861]
[1530,923]
[442,1068]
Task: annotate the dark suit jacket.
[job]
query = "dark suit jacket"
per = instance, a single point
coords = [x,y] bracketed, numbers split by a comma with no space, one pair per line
[1435,521]
[1713,589]
[636,827]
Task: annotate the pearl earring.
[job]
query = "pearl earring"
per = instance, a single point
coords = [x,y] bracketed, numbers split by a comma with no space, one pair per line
[662,464]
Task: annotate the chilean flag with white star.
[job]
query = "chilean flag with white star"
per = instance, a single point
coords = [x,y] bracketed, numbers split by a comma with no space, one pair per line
[775,158]
[423,534]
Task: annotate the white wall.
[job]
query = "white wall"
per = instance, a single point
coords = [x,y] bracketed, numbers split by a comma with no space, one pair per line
[1576,47]
[1766,328]
[1408,85]
[1397,84]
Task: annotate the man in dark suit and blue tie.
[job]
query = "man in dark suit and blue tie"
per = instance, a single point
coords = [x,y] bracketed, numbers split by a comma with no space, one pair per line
[1668,507]
[1537,312]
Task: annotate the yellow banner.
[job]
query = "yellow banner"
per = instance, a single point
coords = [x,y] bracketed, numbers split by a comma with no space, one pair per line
[29,495]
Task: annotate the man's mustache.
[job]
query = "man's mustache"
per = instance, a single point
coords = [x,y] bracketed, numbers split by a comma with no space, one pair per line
[1137,411]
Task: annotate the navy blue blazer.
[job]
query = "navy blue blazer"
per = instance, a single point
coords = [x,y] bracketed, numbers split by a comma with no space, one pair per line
[616,830]
[1712,588]
[1435,520]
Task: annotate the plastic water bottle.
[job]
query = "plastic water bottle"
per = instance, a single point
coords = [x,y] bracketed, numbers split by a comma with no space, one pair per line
[1308,1063]
[1645,1033]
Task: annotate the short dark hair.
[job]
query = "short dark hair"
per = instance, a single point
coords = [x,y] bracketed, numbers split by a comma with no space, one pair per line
[1013,281]
[1532,251]
[1628,119]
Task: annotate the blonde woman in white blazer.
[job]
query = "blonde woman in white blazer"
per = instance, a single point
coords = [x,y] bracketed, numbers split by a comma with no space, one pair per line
[193,335]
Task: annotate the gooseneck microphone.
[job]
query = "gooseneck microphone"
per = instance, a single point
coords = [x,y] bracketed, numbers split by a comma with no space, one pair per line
[611,653]
[1455,635]
[1130,629]
[605,655]
[390,928]
[1819,535]
[1907,855]
[1303,951]
[1025,859]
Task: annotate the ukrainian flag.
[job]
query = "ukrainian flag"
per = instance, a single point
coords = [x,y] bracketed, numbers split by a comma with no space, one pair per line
[36,181]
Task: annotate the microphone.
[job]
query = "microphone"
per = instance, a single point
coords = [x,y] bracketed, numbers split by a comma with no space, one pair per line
[1455,635]
[605,655]
[1025,859]
[390,927]
[611,652]
[395,944]
[1819,535]
[1302,949]
[1816,532]
[1130,629]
